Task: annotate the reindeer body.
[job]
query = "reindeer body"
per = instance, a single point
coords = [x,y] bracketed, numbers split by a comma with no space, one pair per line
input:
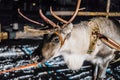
[76,45]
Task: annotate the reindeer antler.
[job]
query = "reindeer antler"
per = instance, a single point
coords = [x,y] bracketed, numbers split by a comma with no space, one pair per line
[72,18]
[57,17]
[29,18]
[76,11]
[60,19]
[29,32]
[48,20]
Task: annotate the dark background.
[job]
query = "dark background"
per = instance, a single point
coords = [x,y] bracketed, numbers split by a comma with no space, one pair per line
[9,15]
[30,8]
[15,48]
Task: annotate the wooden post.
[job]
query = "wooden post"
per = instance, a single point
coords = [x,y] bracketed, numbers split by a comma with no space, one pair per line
[69,13]
[108,8]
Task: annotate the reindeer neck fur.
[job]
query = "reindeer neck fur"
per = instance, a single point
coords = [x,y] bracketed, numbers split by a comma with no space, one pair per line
[75,47]
[78,39]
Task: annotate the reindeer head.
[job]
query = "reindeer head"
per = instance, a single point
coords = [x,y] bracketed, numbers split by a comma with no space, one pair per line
[55,38]
[53,42]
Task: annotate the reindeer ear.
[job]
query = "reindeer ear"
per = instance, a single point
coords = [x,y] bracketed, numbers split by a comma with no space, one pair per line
[68,29]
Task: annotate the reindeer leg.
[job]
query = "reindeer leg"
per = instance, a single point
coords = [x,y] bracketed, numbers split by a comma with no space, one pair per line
[99,72]
[95,72]
[103,68]
[102,71]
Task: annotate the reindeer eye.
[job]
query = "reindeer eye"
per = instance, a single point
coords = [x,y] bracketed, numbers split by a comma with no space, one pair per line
[55,39]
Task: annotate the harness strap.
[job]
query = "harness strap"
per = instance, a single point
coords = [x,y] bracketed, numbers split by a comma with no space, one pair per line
[93,37]
[95,34]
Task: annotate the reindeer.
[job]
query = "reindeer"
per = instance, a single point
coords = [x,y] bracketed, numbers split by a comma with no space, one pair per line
[95,40]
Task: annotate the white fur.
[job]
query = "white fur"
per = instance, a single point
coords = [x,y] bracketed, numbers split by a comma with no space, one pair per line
[75,48]
[74,61]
